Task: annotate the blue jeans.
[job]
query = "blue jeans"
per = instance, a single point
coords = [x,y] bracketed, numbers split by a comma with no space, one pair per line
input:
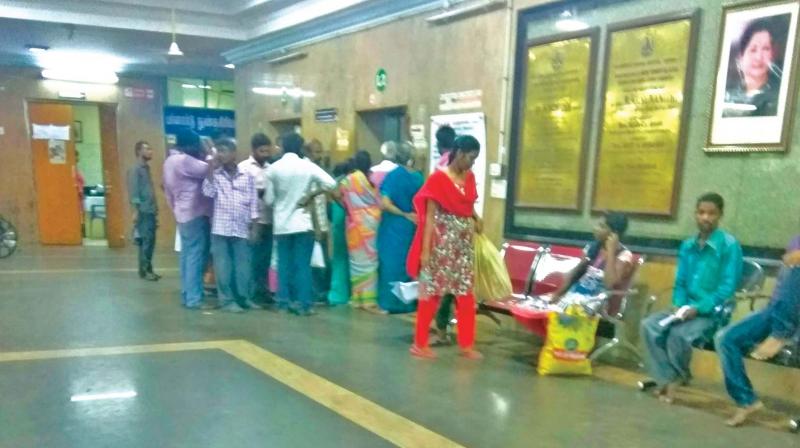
[294,270]
[146,225]
[193,259]
[779,319]
[232,268]
[669,349]
[261,256]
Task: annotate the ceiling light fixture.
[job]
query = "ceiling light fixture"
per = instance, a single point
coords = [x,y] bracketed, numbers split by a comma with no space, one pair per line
[470,8]
[568,22]
[294,92]
[230,66]
[78,74]
[174,50]
[37,49]
[188,86]
[287,57]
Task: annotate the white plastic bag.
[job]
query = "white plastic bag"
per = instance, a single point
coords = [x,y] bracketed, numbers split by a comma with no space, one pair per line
[317,256]
[407,292]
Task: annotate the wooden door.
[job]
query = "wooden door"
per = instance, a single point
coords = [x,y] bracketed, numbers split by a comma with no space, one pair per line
[112,177]
[57,199]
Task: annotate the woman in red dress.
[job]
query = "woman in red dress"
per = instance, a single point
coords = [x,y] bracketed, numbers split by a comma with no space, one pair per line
[442,254]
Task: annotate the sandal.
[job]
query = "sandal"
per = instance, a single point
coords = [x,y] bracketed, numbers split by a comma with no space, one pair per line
[423,353]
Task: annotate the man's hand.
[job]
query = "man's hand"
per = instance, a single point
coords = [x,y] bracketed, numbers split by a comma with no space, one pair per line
[792,259]
[687,313]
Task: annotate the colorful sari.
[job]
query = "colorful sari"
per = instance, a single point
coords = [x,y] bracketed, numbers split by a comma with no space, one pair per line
[363,216]
[340,261]
[394,237]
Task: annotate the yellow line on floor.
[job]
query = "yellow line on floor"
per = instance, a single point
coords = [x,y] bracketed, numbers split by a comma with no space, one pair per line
[361,411]
[109,351]
[76,271]
[365,413]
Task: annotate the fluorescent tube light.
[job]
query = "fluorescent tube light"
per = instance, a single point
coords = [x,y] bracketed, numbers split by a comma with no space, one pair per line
[230,66]
[79,75]
[464,10]
[105,396]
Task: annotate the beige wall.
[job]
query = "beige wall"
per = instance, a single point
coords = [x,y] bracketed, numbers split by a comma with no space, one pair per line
[136,119]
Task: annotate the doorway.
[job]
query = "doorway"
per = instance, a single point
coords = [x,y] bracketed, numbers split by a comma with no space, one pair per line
[374,127]
[286,126]
[76,170]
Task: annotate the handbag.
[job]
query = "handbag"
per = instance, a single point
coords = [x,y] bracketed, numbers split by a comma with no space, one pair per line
[317,256]
[407,292]
[492,281]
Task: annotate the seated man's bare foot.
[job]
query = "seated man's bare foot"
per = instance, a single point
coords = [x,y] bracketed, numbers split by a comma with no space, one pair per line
[742,414]
[768,349]
[666,394]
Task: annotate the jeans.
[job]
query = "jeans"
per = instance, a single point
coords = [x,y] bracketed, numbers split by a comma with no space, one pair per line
[261,256]
[322,276]
[294,270]
[146,228]
[669,349]
[193,259]
[779,319]
[232,268]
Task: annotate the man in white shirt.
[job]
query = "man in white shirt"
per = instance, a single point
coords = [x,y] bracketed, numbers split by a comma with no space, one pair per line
[387,165]
[287,183]
[261,243]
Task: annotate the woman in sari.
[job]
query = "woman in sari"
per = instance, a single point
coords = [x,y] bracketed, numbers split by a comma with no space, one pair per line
[442,254]
[339,292]
[397,228]
[363,208]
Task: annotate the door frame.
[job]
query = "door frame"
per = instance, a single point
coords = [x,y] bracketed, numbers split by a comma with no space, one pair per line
[115,208]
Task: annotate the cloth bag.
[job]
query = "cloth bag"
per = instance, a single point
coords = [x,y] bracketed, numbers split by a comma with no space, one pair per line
[570,339]
[491,276]
[407,292]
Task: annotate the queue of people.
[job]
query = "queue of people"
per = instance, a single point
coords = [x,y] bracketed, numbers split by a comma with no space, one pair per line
[384,224]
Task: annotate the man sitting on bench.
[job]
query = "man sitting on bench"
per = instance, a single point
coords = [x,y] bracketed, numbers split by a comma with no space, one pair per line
[709,269]
[762,334]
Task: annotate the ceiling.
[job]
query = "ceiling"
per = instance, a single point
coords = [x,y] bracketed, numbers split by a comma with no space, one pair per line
[139,31]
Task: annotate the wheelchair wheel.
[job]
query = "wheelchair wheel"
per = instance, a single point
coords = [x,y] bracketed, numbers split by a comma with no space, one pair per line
[8,238]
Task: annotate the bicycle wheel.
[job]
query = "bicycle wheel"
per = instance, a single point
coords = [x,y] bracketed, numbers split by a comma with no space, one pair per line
[8,238]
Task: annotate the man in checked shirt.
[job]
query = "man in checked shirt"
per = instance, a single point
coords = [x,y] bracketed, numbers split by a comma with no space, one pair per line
[235,210]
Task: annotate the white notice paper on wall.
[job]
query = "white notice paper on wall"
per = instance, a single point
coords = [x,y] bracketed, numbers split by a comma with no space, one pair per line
[50,132]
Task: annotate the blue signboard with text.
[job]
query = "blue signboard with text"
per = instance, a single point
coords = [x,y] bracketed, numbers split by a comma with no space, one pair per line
[213,123]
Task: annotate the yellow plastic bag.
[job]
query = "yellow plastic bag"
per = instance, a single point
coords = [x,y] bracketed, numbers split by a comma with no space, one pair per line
[491,277]
[570,339]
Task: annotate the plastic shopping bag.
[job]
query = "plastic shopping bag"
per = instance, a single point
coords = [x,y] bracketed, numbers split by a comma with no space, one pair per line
[570,339]
[407,292]
[317,256]
[491,276]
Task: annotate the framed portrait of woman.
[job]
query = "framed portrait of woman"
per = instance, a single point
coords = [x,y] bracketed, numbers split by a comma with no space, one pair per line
[755,83]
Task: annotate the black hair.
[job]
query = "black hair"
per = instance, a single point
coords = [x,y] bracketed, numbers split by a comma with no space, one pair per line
[258,140]
[225,145]
[341,169]
[362,162]
[755,26]
[445,137]
[617,222]
[464,144]
[139,145]
[713,198]
[292,142]
[188,141]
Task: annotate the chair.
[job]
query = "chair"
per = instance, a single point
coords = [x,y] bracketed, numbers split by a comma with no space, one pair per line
[97,211]
[614,303]
[551,271]
[521,259]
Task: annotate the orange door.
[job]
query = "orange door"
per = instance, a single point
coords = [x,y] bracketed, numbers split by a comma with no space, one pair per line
[115,223]
[57,197]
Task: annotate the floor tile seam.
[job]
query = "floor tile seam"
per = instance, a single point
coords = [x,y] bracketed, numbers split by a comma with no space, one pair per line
[169,347]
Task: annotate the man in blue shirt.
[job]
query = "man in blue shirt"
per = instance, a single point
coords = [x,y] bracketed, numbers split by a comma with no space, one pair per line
[709,270]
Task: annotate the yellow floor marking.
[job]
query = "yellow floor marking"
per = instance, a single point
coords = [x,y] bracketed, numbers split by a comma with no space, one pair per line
[109,351]
[365,413]
[76,271]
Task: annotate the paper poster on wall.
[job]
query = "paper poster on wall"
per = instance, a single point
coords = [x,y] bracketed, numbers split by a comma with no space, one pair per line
[473,124]
[417,132]
[50,132]
[342,140]
[57,151]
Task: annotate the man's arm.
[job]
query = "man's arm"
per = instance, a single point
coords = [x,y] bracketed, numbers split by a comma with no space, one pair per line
[680,296]
[325,181]
[133,188]
[251,191]
[210,186]
[269,188]
[195,169]
[730,274]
